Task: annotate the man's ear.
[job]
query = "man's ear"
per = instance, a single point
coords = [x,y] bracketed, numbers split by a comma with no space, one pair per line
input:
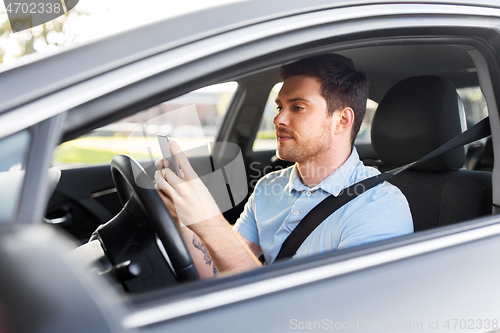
[345,119]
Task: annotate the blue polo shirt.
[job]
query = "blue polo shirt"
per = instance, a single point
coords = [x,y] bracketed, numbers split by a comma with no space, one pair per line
[280,201]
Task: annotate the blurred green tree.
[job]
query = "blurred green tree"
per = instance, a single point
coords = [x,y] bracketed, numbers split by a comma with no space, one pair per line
[42,38]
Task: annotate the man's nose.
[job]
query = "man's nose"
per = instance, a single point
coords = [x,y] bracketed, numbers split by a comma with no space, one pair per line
[281,119]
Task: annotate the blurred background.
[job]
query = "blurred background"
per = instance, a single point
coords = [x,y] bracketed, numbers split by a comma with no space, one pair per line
[89,20]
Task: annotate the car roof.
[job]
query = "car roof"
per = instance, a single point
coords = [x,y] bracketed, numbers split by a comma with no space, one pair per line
[40,75]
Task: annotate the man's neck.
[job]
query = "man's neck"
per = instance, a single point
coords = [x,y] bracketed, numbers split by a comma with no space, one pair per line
[314,171]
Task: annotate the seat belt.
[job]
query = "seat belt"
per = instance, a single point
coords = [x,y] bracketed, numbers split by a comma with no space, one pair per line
[331,203]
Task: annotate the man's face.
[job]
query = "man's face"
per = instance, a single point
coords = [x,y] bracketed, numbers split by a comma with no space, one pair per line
[303,127]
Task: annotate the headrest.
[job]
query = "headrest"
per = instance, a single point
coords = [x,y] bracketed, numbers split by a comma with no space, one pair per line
[416,116]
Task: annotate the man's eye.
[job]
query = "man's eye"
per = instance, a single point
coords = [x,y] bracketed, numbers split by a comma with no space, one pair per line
[298,108]
[278,108]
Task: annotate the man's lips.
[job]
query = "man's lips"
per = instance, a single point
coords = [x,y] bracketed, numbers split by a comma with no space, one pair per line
[284,137]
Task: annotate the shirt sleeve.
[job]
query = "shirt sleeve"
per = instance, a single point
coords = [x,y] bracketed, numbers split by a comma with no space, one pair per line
[246,225]
[384,214]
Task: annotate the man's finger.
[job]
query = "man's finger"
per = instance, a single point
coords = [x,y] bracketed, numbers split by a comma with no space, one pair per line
[161,163]
[171,177]
[162,184]
[169,204]
[182,160]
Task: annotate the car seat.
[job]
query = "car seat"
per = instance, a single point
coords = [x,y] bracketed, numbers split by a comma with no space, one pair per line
[416,116]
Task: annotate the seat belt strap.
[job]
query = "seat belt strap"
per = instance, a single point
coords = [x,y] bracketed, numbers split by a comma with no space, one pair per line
[331,203]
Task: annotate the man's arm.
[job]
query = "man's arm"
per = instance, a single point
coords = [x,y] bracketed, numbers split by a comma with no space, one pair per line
[189,201]
[201,258]
[228,249]
[197,249]
[257,251]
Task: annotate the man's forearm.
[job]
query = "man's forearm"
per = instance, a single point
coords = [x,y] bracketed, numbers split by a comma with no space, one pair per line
[227,250]
[201,258]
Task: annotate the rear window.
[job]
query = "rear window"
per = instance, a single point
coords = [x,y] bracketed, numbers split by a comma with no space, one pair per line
[475,105]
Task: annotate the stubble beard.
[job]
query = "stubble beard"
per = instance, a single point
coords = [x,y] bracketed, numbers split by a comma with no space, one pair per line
[308,150]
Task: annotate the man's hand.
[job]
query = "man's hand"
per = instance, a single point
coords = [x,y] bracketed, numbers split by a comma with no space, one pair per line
[186,197]
[191,204]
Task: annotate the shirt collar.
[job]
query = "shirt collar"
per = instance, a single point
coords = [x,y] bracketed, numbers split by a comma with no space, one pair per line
[332,184]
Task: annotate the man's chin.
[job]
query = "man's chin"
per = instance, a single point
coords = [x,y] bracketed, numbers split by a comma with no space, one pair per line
[285,157]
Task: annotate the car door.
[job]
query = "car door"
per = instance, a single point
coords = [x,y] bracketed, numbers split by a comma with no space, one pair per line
[419,282]
[448,271]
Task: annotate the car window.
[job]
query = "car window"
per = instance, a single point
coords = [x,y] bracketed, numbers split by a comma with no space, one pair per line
[192,120]
[364,134]
[13,151]
[266,137]
[474,104]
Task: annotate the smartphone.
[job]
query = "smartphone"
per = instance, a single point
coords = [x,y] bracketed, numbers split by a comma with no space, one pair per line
[167,154]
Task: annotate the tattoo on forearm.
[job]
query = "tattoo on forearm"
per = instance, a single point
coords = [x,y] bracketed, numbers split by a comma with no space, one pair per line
[198,244]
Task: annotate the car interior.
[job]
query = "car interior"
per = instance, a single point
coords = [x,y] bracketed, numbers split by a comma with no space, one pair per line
[421,95]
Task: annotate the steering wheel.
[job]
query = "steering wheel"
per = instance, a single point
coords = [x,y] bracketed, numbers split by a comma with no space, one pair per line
[133,184]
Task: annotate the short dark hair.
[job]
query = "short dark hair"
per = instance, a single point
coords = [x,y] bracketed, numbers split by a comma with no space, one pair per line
[342,85]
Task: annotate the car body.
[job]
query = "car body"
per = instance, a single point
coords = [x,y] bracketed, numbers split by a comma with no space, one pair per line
[441,279]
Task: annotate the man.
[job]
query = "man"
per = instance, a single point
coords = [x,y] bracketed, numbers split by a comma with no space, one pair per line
[320,109]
